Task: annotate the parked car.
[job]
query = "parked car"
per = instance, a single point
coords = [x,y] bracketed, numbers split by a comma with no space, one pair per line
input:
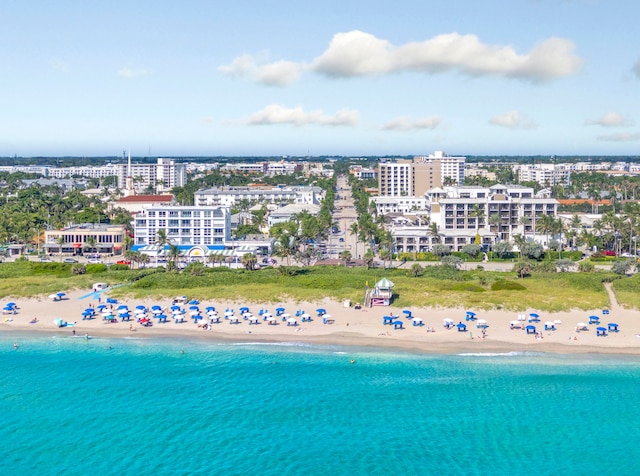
[70,260]
[608,252]
[124,261]
[45,259]
[95,261]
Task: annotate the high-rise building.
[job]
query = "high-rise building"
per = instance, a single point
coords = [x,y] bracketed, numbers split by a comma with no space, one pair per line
[415,177]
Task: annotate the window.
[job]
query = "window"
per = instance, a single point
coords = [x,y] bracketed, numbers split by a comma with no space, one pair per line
[174,214]
[186,214]
[196,240]
[162,223]
[196,231]
[185,223]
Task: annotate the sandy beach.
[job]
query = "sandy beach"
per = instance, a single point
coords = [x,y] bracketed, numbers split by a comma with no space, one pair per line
[349,326]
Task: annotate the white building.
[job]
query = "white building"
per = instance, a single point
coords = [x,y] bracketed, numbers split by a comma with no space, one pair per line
[185,226]
[230,196]
[544,174]
[403,205]
[495,213]
[163,175]
[286,213]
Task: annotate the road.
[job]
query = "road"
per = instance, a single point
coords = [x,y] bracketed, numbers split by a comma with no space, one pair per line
[344,216]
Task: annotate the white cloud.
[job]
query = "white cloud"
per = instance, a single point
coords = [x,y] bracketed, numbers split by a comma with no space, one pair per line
[610,119]
[357,53]
[277,114]
[513,120]
[279,73]
[620,137]
[403,123]
[636,68]
[129,73]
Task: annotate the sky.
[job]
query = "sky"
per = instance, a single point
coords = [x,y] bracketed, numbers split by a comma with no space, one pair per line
[290,78]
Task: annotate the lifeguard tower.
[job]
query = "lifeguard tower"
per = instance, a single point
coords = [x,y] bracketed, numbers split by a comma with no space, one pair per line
[381,294]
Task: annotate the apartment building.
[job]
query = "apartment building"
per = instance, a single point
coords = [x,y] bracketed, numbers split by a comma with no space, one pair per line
[415,177]
[230,196]
[544,174]
[163,175]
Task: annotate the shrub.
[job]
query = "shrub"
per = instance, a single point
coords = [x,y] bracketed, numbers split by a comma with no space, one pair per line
[119,267]
[533,250]
[503,249]
[586,267]
[96,268]
[522,268]
[622,267]
[503,285]
[472,250]
[565,264]
[544,267]
[452,261]
[78,268]
[417,270]
[441,250]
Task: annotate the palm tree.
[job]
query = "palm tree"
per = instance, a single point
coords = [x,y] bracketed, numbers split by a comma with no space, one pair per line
[434,232]
[478,213]
[345,256]
[161,240]
[354,230]
[520,242]
[525,221]
[546,225]
[249,261]
[60,242]
[173,255]
[90,244]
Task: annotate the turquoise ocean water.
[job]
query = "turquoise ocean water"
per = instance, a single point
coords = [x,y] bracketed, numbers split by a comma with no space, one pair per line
[127,406]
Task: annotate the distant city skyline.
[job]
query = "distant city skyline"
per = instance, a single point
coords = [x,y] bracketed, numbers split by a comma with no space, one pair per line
[284,78]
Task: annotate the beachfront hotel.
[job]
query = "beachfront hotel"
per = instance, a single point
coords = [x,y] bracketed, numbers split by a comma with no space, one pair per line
[495,213]
[185,226]
[105,239]
[197,231]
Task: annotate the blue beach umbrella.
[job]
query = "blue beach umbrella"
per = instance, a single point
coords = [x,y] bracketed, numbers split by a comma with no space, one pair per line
[210,308]
[101,306]
[194,308]
[321,311]
[407,312]
[61,294]
[141,306]
[195,302]
[245,309]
